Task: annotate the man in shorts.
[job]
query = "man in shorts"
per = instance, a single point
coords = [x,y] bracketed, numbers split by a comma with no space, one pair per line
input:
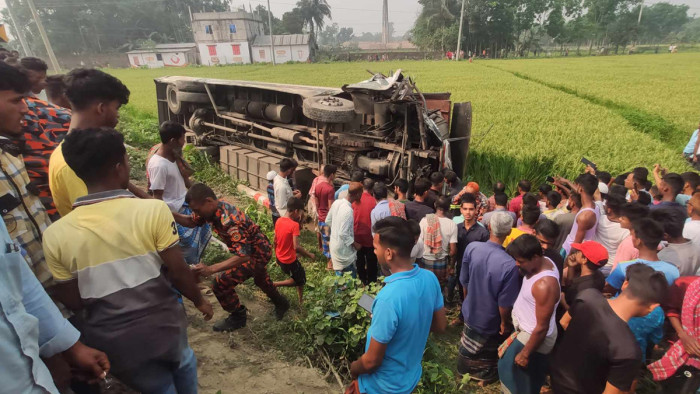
[287,245]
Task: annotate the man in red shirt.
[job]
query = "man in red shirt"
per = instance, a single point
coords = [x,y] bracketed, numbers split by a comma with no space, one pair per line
[516,203]
[324,193]
[362,211]
[287,245]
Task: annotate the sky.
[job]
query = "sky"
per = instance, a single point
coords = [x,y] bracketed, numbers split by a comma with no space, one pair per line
[366,15]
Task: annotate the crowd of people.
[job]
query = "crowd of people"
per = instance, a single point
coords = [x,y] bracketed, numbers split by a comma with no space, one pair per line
[575,286]
[563,288]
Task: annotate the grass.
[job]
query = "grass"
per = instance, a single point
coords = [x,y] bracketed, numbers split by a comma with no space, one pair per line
[665,85]
[538,130]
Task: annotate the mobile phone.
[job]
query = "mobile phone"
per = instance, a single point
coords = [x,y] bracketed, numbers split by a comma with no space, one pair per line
[588,163]
[366,302]
[8,202]
[550,179]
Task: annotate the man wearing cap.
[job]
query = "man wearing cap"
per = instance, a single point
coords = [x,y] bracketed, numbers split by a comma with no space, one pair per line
[583,270]
[481,200]
[271,196]
[601,195]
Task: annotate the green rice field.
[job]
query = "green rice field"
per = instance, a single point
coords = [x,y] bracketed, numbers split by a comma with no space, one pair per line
[618,111]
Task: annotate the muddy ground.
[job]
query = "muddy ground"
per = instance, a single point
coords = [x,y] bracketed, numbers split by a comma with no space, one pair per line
[238,362]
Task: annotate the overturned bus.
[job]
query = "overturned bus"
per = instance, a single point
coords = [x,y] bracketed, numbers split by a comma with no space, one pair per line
[384,126]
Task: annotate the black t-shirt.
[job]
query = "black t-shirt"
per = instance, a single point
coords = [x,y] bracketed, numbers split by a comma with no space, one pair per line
[599,347]
[595,281]
[430,199]
[556,258]
[417,211]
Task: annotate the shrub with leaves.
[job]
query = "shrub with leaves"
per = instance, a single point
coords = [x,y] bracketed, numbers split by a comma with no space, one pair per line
[335,322]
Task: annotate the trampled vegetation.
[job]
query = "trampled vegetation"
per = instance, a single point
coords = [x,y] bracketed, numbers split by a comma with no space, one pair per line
[538,130]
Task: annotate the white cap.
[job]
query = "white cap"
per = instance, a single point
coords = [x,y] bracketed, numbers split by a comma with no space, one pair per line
[271,175]
[603,188]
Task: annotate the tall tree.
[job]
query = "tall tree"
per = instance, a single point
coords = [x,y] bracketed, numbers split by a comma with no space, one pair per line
[662,19]
[293,22]
[277,27]
[100,26]
[314,13]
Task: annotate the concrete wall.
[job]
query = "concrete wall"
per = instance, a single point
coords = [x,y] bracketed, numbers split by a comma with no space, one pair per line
[283,54]
[178,58]
[144,59]
[246,29]
[169,59]
[224,53]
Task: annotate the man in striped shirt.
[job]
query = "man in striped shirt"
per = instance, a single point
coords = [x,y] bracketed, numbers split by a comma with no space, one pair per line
[110,255]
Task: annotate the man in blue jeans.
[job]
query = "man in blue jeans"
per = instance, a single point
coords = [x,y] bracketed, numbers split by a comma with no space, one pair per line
[405,311]
[116,261]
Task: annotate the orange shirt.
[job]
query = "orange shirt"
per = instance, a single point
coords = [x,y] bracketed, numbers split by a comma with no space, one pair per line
[285,231]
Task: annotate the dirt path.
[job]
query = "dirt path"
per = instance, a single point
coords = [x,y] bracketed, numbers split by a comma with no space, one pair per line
[238,362]
[235,363]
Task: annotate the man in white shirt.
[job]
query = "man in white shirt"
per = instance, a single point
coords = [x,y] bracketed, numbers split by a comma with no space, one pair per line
[167,183]
[609,232]
[439,255]
[342,240]
[283,190]
[692,227]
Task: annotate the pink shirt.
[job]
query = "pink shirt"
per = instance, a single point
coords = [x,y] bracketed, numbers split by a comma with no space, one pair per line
[625,252]
[515,205]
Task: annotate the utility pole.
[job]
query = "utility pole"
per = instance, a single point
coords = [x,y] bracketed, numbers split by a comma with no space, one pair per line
[641,8]
[44,37]
[459,37]
[385,23]
[272,36]
[17,31]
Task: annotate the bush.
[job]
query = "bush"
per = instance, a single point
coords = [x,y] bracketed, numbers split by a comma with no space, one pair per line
[335,322]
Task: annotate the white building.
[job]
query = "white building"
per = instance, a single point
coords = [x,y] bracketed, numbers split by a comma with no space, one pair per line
[288,48]
[239,38]
[164,55]
[225,37]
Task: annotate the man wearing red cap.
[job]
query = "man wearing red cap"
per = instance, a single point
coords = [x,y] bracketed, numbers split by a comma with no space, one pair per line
[481,200]
[583,270]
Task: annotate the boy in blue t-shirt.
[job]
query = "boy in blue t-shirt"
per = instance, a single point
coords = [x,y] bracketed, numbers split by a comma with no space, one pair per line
[405,311]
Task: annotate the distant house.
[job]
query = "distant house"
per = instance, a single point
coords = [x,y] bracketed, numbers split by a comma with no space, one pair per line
[225,37]
[164,55]
[288,48]
[239,38]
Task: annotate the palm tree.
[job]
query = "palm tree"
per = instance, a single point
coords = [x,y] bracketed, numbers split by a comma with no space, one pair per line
[314,12]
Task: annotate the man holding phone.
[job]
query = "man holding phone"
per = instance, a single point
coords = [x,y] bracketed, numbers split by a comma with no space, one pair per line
[411,296]
[636,183]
